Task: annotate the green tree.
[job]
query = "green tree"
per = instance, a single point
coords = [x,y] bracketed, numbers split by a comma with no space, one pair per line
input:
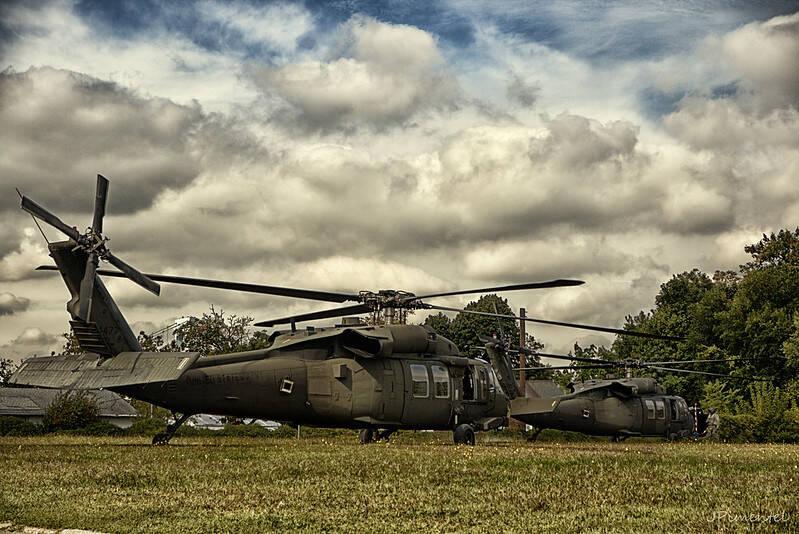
[71,410]
[466,329]
[441,324]
[594,352]
[768,414]
[214,333]
[774,250]
[7,368]
[71,345]
[720,395]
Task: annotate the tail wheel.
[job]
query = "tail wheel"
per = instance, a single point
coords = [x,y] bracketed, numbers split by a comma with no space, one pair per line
[366,435]
[463,435]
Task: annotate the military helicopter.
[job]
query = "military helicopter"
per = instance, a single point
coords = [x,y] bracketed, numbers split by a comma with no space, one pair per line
[374,378]
[619,408]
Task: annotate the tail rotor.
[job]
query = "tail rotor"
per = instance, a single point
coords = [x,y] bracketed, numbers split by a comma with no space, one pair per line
[93,243]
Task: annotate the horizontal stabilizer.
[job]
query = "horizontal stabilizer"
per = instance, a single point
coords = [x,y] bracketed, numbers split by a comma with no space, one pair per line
[90,371]
[521,406]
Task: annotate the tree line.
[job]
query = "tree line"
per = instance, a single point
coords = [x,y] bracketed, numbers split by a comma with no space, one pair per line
[748,317]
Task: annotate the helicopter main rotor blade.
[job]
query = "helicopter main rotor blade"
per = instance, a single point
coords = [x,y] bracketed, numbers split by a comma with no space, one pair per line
[38,211]
[100,199]
[690,371]
[564,367]
[715,360]
[609,330]
[87,287]
[514,287]
[324,314]
[308,294]
[569,358]
[131,272]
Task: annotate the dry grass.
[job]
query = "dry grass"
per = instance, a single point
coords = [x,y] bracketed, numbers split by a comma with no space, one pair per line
[425,485]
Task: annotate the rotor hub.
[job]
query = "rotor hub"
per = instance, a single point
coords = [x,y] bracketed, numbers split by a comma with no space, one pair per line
[389,299]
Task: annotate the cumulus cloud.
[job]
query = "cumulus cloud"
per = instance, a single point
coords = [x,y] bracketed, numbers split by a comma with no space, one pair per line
[61,128]
[379,75]
[765,55]
[546,259]
[32,341]
[11,304]
[369,154]
[20,263]
[747,144]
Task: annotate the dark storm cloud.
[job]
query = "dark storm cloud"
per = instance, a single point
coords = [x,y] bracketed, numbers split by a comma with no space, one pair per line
[301,207]
[11,304]
[61,128]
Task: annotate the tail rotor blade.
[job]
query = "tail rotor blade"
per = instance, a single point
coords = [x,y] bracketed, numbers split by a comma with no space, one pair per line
[99,203]
[41,213]
[87,287]
[133,274]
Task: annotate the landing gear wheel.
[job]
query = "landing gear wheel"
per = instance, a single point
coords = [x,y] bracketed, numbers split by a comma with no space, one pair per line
[463,435]
[161,438]
[618,439]
[384,435]
[366,435]
[534,436]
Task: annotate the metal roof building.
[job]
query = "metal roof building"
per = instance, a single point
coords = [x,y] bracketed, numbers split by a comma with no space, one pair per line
[32,403]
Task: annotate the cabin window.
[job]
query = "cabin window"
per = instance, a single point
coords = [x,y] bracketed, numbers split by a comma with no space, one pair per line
[492,381]
[675,410]
[483,383]
[660,408]
[683,407]
[420,381]
[440,381]
[468,383]
[650,409]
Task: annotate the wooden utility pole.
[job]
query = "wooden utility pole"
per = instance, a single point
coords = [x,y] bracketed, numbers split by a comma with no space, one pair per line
[522,355]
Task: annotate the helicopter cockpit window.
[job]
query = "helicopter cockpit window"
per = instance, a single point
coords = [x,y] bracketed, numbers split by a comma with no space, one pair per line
[421,384]
[440,382]
[650,409]
[660,408]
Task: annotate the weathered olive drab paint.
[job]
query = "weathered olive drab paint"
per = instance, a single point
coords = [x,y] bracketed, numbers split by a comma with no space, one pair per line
[619,408]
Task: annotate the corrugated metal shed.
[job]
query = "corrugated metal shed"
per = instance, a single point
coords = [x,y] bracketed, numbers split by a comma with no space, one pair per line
[32,402]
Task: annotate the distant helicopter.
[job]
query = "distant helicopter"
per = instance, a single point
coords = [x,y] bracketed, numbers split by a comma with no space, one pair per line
[619,408]
[374,378]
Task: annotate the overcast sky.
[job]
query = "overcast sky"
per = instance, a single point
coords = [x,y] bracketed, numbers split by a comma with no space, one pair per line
[347,146]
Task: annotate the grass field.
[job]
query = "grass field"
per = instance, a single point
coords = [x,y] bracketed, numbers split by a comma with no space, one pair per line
[416,483]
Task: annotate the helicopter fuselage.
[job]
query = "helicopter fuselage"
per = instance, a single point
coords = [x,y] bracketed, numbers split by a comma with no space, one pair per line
[419,390]
[620,408]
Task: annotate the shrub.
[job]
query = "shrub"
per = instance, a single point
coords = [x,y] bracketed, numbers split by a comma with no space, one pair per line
[251,431]
[146,426]
[17,426]
[71,410]
[98,428]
